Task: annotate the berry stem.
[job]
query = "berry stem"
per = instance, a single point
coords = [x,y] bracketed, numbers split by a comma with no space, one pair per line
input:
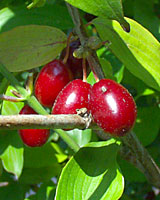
[67,48]
[29,83]
[15,93]
[91,63]
[84,69]
[80,31]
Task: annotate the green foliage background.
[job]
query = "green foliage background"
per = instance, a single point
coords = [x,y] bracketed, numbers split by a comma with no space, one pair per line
[131,59]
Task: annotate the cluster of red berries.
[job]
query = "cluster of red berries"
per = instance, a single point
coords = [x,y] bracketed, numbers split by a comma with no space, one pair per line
[111,105]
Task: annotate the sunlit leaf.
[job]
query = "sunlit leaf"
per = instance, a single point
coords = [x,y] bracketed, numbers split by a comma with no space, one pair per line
[81,137]
[11,108]
[12,156]
[92,174]
[138,50]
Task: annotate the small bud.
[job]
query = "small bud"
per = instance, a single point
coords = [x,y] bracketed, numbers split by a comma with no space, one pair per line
[78,53]
[94,42]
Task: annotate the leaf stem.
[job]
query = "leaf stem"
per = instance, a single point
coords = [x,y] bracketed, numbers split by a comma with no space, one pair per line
[67,48]
[84,69]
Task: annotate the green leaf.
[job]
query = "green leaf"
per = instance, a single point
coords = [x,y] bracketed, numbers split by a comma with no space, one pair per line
[7,177]
[36,3]
[119,74]
[138,50]
[91,79]
[147,124]
[1,168]
[14,191]
[11,108]
[12,156]
[46,191]
[128,7]
[114,71]
[144,13]
[92,174]
[136,84]
[81,137]
[5,3]
[147,92]
[107,68]
[32,197]
[41,163]
[112,9]
[27,47]
[61,157]
[38,175]
[48,15]
[47,155]
[129,172]
[125,197]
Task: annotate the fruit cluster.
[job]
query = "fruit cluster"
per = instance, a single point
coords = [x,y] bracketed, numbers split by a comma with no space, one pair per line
[111,105]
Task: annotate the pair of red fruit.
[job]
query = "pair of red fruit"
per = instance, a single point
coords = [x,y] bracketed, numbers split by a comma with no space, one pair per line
[111,105]
[50,81]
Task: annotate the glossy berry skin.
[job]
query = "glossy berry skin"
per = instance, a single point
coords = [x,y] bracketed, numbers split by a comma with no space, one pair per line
[74,64]
[50,81]
[150,196]
[112,107]
[74,95]
[33,137]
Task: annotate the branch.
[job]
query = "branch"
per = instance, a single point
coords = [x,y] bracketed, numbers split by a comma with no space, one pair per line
[144,162]
[43,122]
[137,155]
[79,29]
[151,170]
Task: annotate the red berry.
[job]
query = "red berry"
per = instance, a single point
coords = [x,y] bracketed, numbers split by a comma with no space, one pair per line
[74,64]
[112,107]
[150,196]
[50,81]
[33,137]
[74,95]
